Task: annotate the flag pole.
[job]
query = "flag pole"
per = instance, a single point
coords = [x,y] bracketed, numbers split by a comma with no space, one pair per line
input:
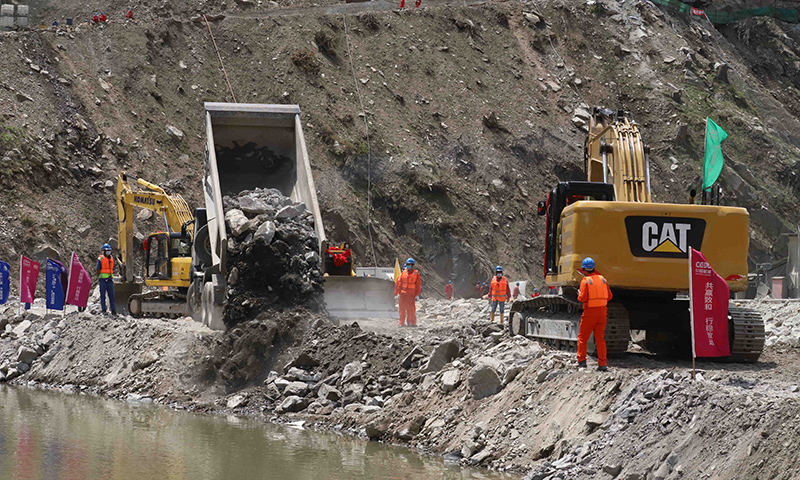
[691,312]
[20,284]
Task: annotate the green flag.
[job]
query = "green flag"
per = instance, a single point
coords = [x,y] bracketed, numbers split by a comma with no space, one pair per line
[712,164]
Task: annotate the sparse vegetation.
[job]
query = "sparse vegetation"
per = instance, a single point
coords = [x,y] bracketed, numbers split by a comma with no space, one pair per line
[306,61]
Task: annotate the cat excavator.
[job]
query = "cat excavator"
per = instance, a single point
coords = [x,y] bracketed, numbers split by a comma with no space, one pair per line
[640,246]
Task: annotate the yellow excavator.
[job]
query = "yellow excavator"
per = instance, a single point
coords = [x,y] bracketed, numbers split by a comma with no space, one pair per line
[641,247]
[167,254]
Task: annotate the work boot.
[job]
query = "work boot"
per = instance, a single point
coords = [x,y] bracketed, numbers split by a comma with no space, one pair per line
[492,317]
[582,364]
[501,317]
[602,368]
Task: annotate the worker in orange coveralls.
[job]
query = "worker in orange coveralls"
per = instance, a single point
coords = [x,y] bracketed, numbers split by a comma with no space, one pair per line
[448,290]
[406,291]
[594,294]
[499,293]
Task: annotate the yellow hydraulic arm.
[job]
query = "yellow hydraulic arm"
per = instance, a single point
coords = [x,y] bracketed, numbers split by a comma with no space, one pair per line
[173,208]
[615,154]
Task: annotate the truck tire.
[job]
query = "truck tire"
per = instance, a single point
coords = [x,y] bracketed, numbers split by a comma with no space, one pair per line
[202,246]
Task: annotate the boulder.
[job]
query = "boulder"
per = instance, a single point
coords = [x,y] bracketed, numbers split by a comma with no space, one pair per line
[175,134]
[49,338]
[303,360]
[23,367]
[43,252]
[26,354]
[292,404]
[451,380]
[237,222]
[20,329]
[299,389]
[291,211]
[409,359]
[265,232]
[483,381]
[376,429]
[49,355]
[328,392]
[281,383]
[352,371]
[237,401]
[253,206]
[442,355]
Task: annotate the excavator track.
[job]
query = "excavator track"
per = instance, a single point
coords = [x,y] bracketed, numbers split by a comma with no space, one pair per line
[746,327]
[555,320]
[160,304]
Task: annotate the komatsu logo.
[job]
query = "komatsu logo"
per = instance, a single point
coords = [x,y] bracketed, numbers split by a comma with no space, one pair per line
[144,200]
[664,236]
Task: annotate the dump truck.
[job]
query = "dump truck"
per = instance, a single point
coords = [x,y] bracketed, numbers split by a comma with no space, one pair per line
[640,246]
[188,263]
[278,129]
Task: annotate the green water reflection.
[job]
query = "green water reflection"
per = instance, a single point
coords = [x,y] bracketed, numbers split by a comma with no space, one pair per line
[52,435]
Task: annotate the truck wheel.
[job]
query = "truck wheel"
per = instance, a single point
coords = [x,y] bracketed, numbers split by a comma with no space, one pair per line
[202,246]
[194,301]
[212,313]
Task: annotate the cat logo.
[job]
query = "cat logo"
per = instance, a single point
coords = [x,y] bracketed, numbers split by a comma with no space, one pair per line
[664,236]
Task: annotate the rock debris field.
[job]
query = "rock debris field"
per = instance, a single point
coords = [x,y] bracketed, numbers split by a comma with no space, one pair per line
[457,386]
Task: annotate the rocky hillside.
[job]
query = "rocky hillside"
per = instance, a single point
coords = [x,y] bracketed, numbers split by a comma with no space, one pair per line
[470,110]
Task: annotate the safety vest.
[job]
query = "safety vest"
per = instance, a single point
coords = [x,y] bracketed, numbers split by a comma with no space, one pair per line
[409,283]
[499,289]
[597,291]
[106,264]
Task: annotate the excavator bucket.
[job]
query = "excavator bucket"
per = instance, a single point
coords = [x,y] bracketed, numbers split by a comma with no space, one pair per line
[360,297]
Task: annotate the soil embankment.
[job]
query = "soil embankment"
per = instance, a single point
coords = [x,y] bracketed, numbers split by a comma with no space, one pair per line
[456,386]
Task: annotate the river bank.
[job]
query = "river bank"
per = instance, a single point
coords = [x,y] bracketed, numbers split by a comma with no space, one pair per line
[456,386]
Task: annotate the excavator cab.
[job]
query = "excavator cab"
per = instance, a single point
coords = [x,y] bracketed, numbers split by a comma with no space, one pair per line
[165,254]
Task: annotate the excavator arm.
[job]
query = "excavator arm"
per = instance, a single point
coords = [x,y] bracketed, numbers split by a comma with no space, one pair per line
[615,154]
[173,208]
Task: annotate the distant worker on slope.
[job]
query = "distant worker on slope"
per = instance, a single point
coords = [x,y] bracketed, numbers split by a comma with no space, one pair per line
[499,293]
[105,271]
[102,17]
[516,292]
[129,15]
[403,3]
[448,290]
[535,293]
[95,18]
[595,294]
[406,291]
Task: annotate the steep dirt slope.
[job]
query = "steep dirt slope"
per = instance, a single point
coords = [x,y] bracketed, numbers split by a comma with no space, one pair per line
[469,110]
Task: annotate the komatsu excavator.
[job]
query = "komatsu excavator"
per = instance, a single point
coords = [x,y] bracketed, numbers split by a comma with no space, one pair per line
[167,254]
[641,248]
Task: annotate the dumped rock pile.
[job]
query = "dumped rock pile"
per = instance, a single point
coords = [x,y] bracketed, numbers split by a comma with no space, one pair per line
[273,255]
[781,322]
[34,341]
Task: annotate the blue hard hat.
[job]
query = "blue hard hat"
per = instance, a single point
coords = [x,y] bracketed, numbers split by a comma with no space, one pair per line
[410,261]
[588,263]
[106,246]
[450,281]
[498,268]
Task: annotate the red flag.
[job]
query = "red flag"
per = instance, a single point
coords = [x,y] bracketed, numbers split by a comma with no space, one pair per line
[698,12]
[29,275]
[79,285]
[708,298]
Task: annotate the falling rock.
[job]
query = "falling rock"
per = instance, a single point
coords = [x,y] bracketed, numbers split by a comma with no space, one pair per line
[442,355]
[483,381]
[237,222]
[291,211]
[265,232]
[451,380]
[292,404]
[352,371]
[175,134]
[26,354]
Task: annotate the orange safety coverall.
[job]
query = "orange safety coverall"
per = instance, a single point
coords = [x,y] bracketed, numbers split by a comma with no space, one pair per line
[408,286]
[595,294]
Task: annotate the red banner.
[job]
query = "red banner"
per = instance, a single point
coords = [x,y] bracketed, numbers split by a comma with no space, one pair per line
[79,284]
[698,12]
[708,298]
[29,275]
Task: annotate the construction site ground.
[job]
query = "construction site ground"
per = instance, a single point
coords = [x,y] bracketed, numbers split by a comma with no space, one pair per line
[645,419]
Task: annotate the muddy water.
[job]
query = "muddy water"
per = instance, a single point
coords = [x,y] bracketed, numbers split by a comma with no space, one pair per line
[49,435]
